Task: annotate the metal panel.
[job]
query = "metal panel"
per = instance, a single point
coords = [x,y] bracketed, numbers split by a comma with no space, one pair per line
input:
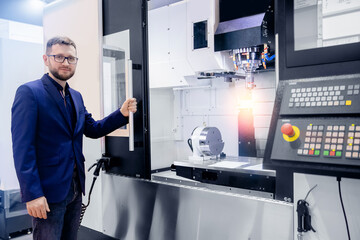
[141,209]
[325,208]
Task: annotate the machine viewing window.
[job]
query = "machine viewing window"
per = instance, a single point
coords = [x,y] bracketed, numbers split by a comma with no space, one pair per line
[115,79]
[325,23]
[200,35]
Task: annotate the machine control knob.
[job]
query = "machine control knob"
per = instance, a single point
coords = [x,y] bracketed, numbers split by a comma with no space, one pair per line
[288,129]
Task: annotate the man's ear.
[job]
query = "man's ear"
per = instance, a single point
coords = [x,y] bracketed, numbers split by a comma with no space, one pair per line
[45,58]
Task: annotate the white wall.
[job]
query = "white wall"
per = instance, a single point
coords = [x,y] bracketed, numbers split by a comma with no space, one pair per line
[20,62]
[79,20]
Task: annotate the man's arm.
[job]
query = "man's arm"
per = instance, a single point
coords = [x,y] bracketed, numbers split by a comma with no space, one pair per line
[96,129]
[23,129]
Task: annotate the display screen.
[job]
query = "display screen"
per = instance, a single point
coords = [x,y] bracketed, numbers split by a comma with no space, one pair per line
[325,23]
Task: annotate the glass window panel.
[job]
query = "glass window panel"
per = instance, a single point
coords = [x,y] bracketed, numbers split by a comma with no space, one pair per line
[325,23]
[116,52]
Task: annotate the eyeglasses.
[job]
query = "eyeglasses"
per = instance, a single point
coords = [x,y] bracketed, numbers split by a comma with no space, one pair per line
[61,59]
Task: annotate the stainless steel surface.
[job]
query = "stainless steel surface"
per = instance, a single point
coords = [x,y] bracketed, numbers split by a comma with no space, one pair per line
[131,115]
[141,209]
[251,165]
[171,177]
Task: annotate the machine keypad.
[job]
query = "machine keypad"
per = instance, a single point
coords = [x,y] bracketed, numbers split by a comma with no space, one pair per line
[313,140]
[333,142]
[353,141]
[322,96]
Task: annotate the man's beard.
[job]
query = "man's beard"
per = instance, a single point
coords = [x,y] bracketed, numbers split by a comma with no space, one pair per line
[62,78]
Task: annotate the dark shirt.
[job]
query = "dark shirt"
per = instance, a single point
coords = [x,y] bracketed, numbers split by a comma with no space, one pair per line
[68,102]
[71,112]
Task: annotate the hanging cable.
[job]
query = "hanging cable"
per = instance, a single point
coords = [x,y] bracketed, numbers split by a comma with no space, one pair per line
[309,192]
[342,205]
[100,163]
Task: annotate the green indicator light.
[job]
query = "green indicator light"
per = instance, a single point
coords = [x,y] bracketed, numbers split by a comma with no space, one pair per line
[326,153]
[338,154]
[317,152]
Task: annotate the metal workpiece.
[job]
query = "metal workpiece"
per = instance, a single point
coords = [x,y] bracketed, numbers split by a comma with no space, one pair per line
[205,143]
[143,209]
[210,141]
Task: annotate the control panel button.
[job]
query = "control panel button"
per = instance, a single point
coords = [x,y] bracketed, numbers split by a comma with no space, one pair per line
[287,129]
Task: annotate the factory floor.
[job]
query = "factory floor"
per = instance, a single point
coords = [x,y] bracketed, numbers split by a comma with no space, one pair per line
[84,234]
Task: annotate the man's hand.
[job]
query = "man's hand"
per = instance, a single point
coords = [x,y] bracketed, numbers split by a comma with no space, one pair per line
[128,106]
[38,207]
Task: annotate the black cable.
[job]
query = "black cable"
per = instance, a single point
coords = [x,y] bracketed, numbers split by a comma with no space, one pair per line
[100,163]
[83,206]
[309,192]
[342,205]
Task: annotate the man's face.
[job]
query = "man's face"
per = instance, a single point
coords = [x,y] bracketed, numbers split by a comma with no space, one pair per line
[62,71]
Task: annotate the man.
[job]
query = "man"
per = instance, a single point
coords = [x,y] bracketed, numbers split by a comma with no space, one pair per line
[48,122]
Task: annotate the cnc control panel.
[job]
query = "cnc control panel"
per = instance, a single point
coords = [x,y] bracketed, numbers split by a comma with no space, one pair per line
[319,122]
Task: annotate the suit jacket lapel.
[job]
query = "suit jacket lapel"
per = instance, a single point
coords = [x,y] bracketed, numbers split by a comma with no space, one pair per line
[55,95]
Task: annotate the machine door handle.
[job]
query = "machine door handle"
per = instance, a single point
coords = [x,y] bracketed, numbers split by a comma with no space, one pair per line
[131,115]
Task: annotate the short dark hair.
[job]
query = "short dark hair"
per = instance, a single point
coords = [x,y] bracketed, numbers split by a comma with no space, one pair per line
[59,40]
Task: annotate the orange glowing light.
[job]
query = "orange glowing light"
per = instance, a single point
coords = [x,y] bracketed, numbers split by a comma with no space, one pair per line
[245,101]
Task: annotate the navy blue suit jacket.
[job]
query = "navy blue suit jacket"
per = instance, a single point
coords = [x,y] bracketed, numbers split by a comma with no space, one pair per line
[45,147]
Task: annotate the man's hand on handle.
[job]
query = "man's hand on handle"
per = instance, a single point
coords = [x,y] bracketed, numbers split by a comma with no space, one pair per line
[128,106]
[38,208]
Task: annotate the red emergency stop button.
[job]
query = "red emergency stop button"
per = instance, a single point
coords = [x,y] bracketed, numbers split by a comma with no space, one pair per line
[288,129]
